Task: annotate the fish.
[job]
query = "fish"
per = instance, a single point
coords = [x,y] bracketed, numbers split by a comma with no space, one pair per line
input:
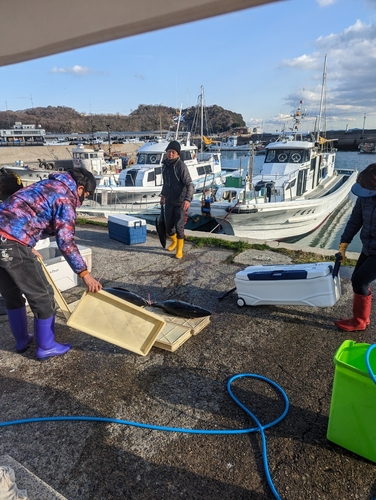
[181,308]
[160,224]
[131,297]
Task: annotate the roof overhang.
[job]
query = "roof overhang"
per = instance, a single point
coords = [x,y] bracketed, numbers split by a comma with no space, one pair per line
[44,27]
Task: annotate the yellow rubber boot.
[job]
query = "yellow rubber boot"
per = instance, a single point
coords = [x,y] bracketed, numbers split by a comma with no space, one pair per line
[173,244]
[179,250]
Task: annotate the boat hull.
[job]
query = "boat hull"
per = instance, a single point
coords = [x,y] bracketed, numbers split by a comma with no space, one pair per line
[281,220]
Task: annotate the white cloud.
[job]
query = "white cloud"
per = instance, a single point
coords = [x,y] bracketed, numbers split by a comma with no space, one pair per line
[351,73]
[325,3]
[74,70]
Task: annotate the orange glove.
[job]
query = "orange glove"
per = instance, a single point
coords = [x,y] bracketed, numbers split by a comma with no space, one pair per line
[342,250]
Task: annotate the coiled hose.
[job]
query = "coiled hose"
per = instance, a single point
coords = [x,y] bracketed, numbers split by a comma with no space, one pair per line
[260,428]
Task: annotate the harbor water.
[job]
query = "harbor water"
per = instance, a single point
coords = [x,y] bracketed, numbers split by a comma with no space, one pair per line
[329,233]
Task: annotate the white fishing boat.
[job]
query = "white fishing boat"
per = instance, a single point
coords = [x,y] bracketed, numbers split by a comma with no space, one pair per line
[32,173]
[94,160]
[104,170]
[140,184]
[297,189]
[231,143]
[368,146]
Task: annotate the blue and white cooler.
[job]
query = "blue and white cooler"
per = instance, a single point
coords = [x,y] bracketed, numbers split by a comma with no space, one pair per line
[295,284]
[128,229]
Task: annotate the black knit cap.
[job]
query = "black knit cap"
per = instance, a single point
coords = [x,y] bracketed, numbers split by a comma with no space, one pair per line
[175,146]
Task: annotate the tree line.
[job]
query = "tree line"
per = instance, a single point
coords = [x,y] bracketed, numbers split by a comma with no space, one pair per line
[64,120]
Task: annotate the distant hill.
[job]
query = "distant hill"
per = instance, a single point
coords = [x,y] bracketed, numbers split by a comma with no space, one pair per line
[64,120]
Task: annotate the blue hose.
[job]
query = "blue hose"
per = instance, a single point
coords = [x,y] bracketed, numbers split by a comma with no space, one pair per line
[368,365]
[261,428]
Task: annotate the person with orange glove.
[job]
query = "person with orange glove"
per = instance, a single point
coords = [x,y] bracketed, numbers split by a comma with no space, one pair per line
[363,219]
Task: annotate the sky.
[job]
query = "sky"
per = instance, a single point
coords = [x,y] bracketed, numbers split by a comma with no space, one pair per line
[260,62]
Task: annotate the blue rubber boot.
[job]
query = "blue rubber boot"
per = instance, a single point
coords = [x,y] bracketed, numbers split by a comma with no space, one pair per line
[18,327]
[44,330]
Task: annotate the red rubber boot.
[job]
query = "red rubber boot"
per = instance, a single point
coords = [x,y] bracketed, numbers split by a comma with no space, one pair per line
[361,314]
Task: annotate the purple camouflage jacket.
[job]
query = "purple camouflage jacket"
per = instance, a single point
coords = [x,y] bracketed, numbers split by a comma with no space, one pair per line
[45,208]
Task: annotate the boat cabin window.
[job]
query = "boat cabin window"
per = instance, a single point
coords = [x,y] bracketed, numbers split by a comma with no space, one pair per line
[130,179]
[287,156]
[204,169]
[153,174]
[186,155]
[149,158]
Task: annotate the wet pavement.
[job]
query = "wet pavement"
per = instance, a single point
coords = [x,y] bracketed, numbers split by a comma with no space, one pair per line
[291,345]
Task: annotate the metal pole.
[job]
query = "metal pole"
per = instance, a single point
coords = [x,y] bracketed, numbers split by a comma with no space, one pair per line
[202,118]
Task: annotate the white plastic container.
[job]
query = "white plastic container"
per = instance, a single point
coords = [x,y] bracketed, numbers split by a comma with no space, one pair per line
[294,284]
[59,269]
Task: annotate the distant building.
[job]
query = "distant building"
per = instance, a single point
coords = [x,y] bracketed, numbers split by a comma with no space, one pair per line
[21,134]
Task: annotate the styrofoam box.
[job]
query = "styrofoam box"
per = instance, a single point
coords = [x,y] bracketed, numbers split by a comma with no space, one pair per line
[128,229]
[46,242]
[294,284]
[59,269]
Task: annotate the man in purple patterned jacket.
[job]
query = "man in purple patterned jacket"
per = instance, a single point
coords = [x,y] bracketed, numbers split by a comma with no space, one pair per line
[46,208]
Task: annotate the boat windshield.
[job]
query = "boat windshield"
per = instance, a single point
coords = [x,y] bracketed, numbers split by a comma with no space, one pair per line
[149,158]
[287,156]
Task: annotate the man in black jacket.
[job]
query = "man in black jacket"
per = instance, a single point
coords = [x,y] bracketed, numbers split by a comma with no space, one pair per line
[176,196]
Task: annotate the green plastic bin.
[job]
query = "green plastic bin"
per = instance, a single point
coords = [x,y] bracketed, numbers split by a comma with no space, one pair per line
[352,417]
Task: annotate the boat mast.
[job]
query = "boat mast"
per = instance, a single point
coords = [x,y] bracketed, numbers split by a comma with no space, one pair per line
[178,124]
[202,118]
[323,86]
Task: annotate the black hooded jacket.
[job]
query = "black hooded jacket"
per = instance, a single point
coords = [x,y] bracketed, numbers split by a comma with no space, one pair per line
[177,182]
[362,217]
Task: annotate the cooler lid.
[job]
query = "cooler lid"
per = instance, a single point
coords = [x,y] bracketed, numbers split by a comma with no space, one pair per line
[285,272]
[126,220]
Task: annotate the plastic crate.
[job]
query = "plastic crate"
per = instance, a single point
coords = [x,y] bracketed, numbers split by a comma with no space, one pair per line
[117,321]
[353,405]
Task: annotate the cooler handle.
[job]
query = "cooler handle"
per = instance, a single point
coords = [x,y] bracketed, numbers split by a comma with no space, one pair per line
[137,223]
[371,374]
[337,264]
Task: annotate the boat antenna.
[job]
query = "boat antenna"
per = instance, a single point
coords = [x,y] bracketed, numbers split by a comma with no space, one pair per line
[321,100]
[178,124]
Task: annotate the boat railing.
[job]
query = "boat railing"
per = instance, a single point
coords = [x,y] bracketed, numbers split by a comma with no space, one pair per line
[277,177]
[108,199]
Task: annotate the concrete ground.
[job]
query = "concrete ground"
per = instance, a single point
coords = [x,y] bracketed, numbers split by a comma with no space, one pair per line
[291,345]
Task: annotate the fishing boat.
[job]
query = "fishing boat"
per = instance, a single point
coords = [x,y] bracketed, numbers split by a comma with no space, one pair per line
[231,143]
[368,146]
[295,192]
[140,184]
[104,170]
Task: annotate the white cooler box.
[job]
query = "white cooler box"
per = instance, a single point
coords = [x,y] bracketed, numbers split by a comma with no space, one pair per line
[295,284]
[58,267]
